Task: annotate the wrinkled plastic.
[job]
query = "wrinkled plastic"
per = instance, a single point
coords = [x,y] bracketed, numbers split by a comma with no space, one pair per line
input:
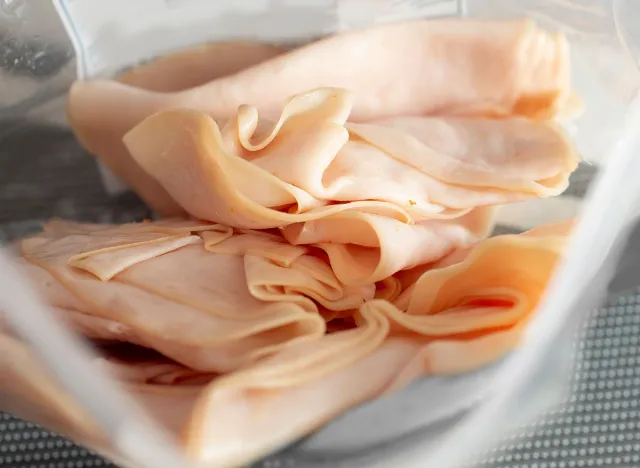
[605,39]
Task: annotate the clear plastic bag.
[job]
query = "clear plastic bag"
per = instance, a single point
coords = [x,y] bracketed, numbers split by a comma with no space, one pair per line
[605,40]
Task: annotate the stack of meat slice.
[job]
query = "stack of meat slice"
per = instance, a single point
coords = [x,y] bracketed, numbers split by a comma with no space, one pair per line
[330,252]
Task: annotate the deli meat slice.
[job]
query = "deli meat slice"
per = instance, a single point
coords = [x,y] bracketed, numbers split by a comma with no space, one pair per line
[454,67]
[463,314]
[311,164]
[467,67]
[364,248]
[190,304]
[507,154]
[171,73]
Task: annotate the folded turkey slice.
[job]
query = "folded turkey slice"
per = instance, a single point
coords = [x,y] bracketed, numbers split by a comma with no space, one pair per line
[170,73]
[189,304]
[175,226]
[279,271]
[309,281]
[462,315]
[105,250]
[309,165]
[497,68]
[365,248]
[500,154]
[234,291]
[271,246]
[426,165]
[446,66]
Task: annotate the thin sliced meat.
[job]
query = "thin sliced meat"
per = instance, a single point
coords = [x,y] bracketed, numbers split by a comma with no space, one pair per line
[364,248]
[106,250]
[431,166]
[186,334]
[513,154]
[446,66]
[72,311]
[457,66]
[215,283]
[301,362]
[447,330]
[187,156]
[51,291]
[281,413]
[174,72]
[451,357]
[275,417]
[338,248]
[309,360]
[262,268]
[105,265]
[307,281]
[463,311]
[169,406]
[176,226]
[306,167]
[496,68]
[230,329]
[77,247]
[496,284]
[257,243]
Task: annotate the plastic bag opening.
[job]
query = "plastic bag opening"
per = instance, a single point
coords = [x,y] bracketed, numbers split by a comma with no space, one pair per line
[606,111]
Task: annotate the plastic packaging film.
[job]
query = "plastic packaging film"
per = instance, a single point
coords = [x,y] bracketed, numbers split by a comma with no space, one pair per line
[610,117]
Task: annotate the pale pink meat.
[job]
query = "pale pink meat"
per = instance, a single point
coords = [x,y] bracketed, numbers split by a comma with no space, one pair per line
[494,68]
[446,66]
[189,304]
[172,73]
[364,248]
[312,164]
[458,320]
[331,240]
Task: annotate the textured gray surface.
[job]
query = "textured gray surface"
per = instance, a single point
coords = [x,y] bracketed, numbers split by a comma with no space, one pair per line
[599,423]
[43,173]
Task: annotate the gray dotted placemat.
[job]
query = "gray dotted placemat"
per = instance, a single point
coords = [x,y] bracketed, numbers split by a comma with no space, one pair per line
[599,423]
[26,445]
[43,173]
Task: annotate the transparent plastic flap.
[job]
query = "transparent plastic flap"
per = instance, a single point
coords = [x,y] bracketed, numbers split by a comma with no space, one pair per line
[123,33]
[100,413]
